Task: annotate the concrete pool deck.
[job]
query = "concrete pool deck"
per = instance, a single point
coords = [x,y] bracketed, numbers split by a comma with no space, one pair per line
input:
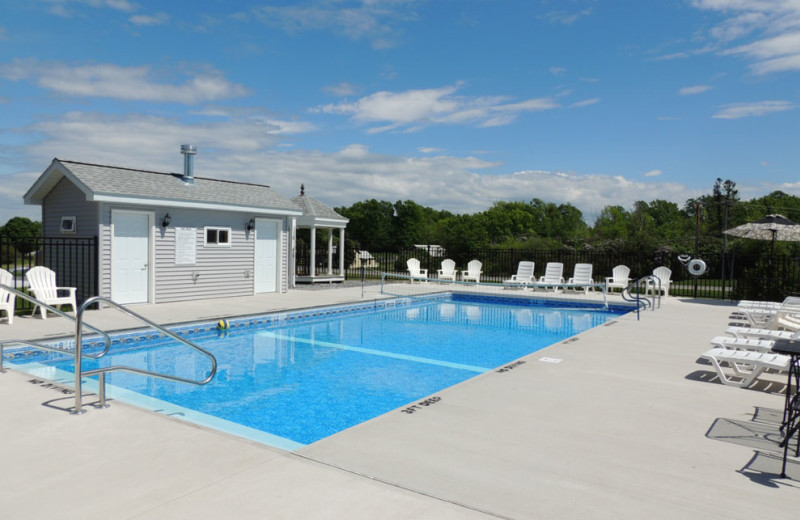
[628,424]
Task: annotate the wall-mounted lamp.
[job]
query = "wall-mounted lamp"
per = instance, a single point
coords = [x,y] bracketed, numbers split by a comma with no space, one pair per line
[251,224]
[165,221]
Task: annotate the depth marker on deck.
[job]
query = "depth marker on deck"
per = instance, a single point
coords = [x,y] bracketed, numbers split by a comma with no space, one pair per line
[550,360]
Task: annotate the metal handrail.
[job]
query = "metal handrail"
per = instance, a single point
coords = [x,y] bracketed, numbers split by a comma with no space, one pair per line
[40,303]
[643,301]
[102,371]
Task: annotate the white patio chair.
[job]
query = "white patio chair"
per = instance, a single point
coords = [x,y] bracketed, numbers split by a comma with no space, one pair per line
[42,281]
[580,276]
[663,274]
[415,272]
[746,365]
[619,279]
[448,270]
[523,277]
[553,275]
[7,298]
[473,271]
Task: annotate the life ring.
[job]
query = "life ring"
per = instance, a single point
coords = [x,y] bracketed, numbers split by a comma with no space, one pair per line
[697,267]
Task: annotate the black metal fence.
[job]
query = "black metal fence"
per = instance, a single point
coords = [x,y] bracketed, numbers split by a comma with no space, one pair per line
[73,259]
[730,276]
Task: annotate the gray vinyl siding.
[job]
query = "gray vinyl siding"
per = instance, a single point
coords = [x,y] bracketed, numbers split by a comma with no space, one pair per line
[219,271]
[66,200]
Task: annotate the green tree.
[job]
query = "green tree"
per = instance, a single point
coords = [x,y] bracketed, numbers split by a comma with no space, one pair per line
[371,224]
[613,223]
[22,233]
[458,232]
[412,224]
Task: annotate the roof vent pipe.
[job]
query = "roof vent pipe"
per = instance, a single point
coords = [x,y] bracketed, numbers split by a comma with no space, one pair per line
[188,151]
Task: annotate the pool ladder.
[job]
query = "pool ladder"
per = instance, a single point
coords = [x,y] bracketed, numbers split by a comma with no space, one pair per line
[101,372]
[643,302]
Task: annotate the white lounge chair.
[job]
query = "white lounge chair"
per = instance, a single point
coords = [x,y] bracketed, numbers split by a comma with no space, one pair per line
[663,275]
[473,271]
[7,298]
[523,277]
[42,281]
[581,275]
[448,270]
[788,303]
[761,333]
[619,279]
[754,344]
[746,365]
[553,275]
[783,318]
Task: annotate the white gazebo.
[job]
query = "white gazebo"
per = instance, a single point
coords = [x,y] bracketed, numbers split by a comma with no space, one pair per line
[317,215]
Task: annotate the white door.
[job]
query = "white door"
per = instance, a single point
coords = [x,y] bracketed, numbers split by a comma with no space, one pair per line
[130,257]
[266,268]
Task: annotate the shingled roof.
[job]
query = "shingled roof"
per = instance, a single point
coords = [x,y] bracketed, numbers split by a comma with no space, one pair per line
[115,184]
[317,213]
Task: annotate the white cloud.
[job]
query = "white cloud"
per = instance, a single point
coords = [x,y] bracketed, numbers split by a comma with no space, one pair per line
[414,109]
[371,20]
[342,89]
[761,108]
[143,19]
[585,103]
[558,71]
[429,149]
[673,56]
[150,141]
[696,89]
[652,173]
[775,25]
[62,7]
[12,188]
[246,150]
[126,83]
[565,17]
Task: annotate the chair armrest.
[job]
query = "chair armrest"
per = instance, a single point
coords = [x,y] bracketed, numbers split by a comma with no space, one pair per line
[423,271]
[70,289]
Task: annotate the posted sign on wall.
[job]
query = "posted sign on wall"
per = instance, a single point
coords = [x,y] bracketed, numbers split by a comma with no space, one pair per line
[185,245]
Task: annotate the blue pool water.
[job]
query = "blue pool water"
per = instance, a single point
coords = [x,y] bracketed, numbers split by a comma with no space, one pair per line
[320,375]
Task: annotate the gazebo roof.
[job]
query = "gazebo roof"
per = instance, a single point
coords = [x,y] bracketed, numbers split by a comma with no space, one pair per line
[317,214]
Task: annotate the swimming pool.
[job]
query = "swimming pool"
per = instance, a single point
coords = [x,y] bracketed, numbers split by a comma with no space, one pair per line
[292,379]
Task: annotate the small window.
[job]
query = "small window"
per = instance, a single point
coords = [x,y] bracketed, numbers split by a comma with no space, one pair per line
[218,236]
[68,225]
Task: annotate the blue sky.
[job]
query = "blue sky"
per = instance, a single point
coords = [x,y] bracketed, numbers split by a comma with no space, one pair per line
[454,104]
